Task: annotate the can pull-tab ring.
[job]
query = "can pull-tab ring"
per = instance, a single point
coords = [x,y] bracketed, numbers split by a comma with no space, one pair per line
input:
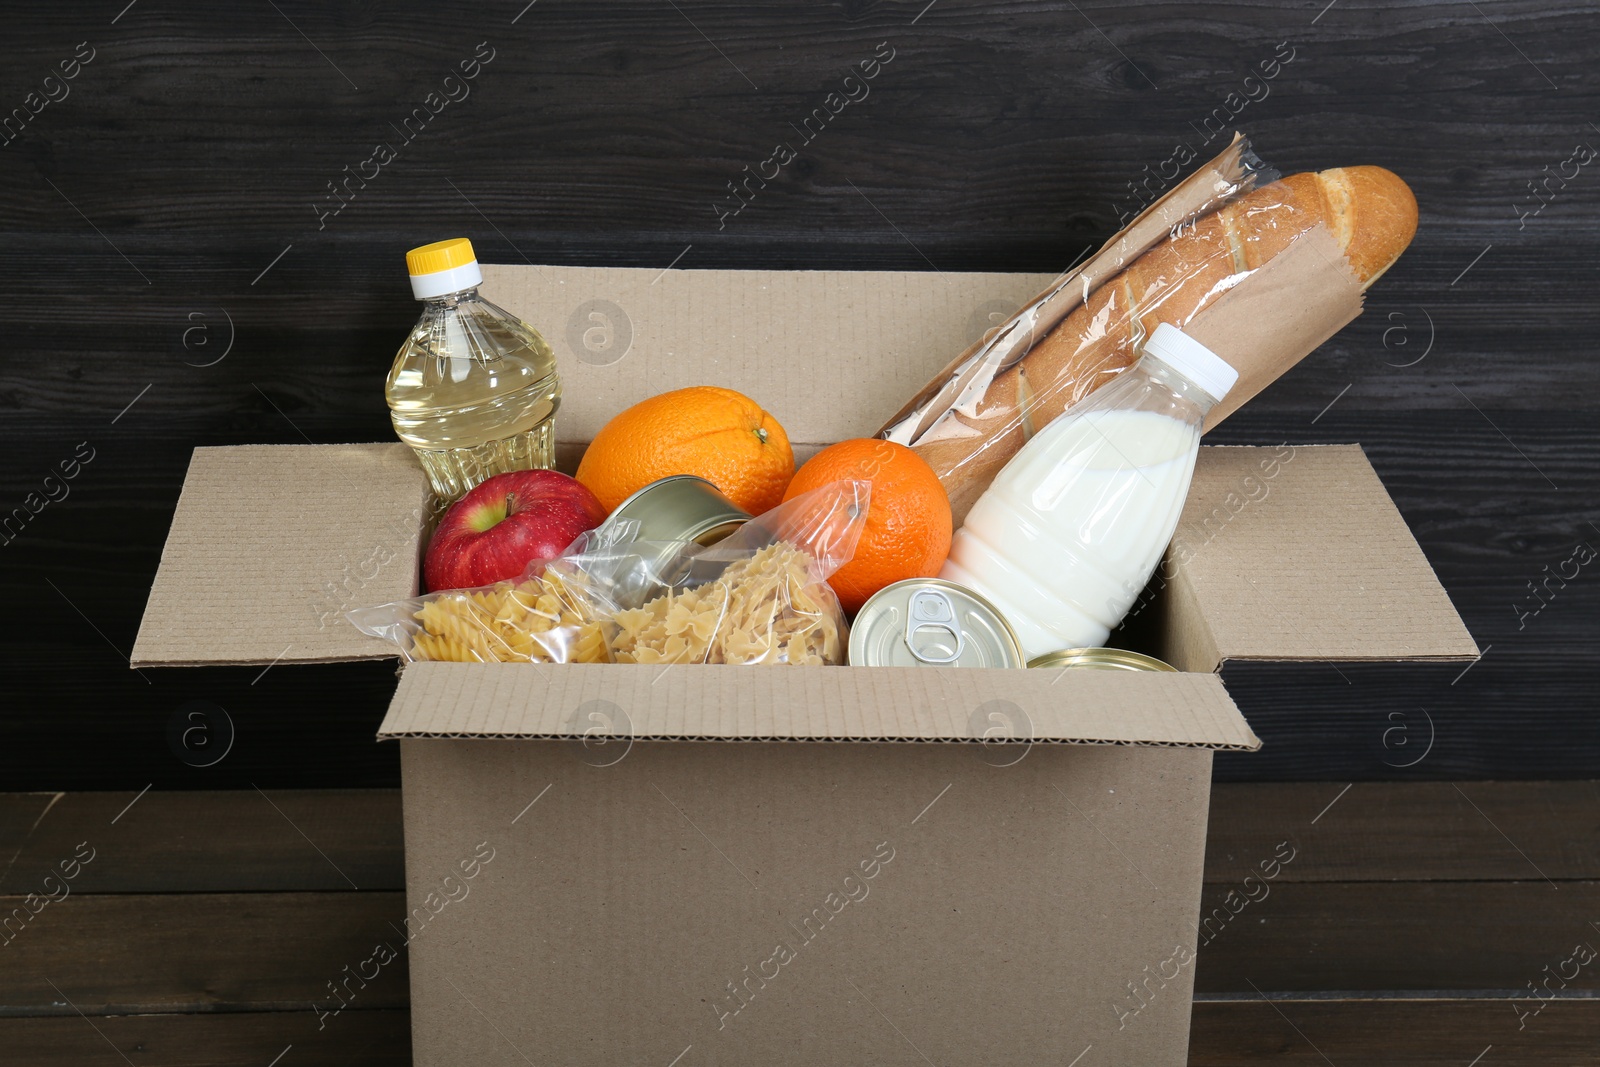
[931,610]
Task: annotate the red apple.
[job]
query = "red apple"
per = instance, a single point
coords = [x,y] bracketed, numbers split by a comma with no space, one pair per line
[506,523]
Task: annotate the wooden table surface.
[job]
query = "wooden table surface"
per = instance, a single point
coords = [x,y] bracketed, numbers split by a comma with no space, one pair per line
[1406,929]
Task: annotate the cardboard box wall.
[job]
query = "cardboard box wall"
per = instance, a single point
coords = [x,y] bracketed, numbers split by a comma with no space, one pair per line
[1041,897]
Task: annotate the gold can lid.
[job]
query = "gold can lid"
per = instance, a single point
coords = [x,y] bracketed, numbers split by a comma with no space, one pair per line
[929,622]
[1101,659]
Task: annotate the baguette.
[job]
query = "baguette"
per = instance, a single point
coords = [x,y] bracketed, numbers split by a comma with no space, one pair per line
[1370,212]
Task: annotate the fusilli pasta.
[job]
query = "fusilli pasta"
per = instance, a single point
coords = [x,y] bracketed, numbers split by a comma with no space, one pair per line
[548,619]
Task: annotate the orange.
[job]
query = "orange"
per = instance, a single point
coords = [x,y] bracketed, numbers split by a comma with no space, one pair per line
[907,532]
[721,435]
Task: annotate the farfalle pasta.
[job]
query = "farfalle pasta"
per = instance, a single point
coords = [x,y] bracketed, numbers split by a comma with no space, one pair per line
[768,608]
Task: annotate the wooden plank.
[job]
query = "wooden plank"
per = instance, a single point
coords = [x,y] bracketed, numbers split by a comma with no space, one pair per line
[118,954]
[221,840]
[206,840]
[1020,109]
[198,952]
[234,1039]
[1379,831]
[587,71]
[1234,1033]
[1390,1033]
[1457,936]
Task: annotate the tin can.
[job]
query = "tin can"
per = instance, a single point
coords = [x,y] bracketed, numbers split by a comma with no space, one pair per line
[1101,659]
[929,622]
[671,513]
[682,507]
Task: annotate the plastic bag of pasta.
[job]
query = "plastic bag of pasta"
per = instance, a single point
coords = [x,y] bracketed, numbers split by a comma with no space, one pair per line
[760,596]
[557,612]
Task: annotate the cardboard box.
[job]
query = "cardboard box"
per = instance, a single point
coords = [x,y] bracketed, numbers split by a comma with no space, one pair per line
[713,865]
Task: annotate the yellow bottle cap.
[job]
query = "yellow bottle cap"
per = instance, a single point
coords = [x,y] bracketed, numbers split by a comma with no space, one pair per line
[439,256]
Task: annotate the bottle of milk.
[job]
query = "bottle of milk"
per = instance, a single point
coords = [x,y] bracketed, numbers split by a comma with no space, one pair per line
[1070,530]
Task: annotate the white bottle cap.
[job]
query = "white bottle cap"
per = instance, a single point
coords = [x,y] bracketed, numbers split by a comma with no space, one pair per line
[1191,359]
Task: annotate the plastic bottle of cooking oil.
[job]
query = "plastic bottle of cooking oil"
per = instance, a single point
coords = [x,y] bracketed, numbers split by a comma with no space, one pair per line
[474,389]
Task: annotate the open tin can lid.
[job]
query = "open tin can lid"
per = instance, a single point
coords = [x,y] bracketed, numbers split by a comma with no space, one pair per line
[929,622]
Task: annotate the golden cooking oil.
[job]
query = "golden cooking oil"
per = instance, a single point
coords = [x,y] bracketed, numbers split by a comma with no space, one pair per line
[474,389]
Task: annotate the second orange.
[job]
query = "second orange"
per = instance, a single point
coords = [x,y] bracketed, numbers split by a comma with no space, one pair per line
[907,532]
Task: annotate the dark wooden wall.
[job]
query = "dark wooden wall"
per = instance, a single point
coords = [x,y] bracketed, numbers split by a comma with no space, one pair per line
[167,207]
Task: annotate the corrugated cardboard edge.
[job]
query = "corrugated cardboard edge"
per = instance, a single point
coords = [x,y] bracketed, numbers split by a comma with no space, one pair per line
[1303,556]
[892,704]
[271,544]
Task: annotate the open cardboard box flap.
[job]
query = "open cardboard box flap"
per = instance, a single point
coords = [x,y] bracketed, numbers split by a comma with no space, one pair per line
[271,544]
[1298,553]
[1289,553]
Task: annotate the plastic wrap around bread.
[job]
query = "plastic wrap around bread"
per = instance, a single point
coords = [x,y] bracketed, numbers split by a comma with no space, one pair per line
[1183,255]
